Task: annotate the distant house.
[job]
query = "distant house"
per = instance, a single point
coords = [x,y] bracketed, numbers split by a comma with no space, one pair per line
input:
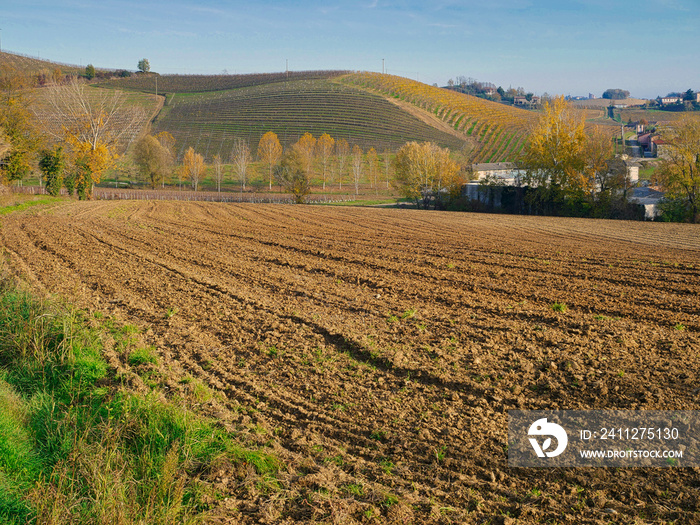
[649,144]
[489,179]
[671,100]
[523,101]
[648,198]
[505,173]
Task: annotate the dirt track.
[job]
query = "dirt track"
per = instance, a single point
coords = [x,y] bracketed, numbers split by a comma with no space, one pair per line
[378,351]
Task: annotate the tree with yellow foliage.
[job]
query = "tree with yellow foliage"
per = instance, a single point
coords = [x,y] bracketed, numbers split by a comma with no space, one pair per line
[554,159]
[680,166]
[306,147]
[269,151]
[427,174]
[193,167]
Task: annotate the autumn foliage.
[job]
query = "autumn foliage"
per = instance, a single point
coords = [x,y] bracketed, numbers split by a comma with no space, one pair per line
[426,174]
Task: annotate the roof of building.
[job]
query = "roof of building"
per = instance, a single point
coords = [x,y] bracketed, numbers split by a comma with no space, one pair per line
[492,166]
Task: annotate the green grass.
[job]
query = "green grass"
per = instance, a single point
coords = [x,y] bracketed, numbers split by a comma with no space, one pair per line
[559,307]
[78,447]
[22,202]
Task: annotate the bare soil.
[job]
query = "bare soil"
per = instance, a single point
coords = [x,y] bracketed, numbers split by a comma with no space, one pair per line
[378,351]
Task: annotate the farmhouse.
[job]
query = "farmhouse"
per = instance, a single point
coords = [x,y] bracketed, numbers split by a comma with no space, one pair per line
[523,101]
[671,100]
[648,198]
[488,178]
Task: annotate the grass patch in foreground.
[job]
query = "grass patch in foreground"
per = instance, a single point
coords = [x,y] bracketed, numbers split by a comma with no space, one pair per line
[75,447]
[11,203]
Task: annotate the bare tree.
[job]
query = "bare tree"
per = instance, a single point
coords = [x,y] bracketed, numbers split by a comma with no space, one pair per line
[356,167]
[97,124]
[324,148]
[241,160]
[386,159]
[218,171]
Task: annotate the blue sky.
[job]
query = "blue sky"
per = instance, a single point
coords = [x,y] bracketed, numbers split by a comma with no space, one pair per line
[649,47]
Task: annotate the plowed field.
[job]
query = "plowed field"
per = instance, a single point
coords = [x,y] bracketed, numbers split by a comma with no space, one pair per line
[378,351]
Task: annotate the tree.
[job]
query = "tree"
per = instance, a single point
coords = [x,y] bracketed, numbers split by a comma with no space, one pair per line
[597,153]
[269,151]
[373,168]
[193,167]
[241,160]
[616,94]
[306,147]
[356,167]
[680,166]
[342,150]
[291,174]
[19,137]
[144,66]
[553,159]
[167,141]
[153,160]
[5,145]
[218,167]
[94,123]
[386,160]
[324,148]
[90,72]
[427,174]
[690,96]
[52,164]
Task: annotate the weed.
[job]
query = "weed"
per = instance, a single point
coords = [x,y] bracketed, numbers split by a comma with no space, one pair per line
[387,466]
[356,489]
[169,312]
[559,307]
[440,453]
[392,319]
[390,499]
[680,327]
[143,355]
[379,435]
[337,460]
[408,314]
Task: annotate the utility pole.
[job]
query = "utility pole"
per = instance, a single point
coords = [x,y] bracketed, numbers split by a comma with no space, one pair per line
[382,66]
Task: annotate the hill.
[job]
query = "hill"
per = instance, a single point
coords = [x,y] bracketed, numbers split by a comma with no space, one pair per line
[210,121]
[34,66]
[498,132]
[152,82]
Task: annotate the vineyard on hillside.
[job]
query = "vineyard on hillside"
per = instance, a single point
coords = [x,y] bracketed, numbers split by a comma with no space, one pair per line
[149,83]
[500,131]
[210,122]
